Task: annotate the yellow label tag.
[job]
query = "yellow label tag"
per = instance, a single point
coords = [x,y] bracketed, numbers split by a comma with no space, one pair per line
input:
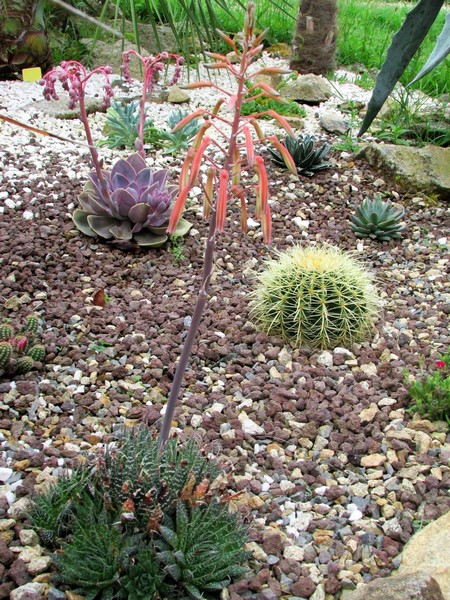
[33,74]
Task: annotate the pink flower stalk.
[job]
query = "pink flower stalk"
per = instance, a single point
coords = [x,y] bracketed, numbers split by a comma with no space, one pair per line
[151,65]
[73,78]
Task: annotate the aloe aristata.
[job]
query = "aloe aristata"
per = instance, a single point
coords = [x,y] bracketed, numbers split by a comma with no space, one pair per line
[222,184]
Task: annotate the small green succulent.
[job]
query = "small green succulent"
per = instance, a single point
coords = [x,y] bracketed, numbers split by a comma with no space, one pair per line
[202,550]
[307,159]
[377,219]
[174,142]
[18,352]
[319,297]
[121,127]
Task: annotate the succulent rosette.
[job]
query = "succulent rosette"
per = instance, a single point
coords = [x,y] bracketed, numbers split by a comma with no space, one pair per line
[131,202]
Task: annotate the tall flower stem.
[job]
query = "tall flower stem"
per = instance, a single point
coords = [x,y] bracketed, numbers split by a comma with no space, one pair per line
[208,266]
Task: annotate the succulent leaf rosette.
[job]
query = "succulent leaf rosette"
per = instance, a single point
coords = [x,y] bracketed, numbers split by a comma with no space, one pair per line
[131,202]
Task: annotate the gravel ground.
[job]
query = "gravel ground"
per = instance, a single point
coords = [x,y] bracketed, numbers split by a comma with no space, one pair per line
[334,475]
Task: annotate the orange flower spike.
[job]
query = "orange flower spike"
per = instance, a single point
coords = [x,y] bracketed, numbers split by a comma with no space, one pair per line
[197,160]
[249,146]
[290,164]
[184,175]
[282,121]
[266,225]
[260,37]
[216,65]
[263,183]
[217,106]
[196,84]
[257,128]
[178,209]
[272,71]
[236,169]
[258,202]
[201,132]
[221,207]
[266,88]
[216,55]
[227,39]
[209,190]
[188,118]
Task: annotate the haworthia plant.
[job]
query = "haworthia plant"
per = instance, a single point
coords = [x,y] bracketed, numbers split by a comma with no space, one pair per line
[405,44]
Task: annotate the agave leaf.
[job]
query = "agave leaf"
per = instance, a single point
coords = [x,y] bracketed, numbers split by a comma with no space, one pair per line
[79,217]
[101,225]
[404,45]
[147,239]
[440,51]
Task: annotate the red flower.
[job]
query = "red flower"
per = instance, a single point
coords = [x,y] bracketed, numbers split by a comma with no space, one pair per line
[440,364]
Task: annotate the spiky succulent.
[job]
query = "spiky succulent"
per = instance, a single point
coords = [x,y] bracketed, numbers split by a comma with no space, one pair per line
[319,297]
[378,219]
[141,524]
[203,549]
[18,352]
[180,139]
[130,202]
[307,159]
[121,127]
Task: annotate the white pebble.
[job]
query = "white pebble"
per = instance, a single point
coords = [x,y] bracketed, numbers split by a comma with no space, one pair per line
[27,215]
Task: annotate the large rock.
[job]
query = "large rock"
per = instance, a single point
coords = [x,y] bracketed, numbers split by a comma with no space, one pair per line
[428,551]
[417,586]
[422,170]
[334,122]
[312,89]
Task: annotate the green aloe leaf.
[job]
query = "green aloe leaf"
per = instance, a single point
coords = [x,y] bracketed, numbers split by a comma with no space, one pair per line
[440,51]
[404,45]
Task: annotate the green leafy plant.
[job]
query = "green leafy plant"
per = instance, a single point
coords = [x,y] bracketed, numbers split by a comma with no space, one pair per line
[19,352]
[177,249]
[177,139]
[431,394]
[259,103]
[378,219]
[121,127]
[307,159]
[142,523]
[203,548]
[319,297]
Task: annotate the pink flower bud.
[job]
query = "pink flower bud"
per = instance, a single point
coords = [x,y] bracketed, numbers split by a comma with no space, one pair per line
[440,364]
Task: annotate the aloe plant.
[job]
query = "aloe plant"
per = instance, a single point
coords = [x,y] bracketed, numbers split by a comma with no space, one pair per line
[404,45]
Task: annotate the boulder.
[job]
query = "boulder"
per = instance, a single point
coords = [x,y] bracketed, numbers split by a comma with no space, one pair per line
[421,170]
[416,586]
[334,122]
[312,89]
[428,551]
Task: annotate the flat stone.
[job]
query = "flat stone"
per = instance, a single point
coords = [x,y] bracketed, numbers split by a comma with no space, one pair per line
[429,550]
[373,460]
[415,586]
[308,88]
[334,122]
[420,169]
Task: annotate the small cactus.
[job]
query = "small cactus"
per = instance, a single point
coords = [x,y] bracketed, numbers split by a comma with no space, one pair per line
[318,297]
[32,325]
[37,352]
[24,364]
[377,219]
[19,352]
[6,332]
[5,354]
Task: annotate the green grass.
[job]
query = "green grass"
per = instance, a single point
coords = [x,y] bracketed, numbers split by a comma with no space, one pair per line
[365,30]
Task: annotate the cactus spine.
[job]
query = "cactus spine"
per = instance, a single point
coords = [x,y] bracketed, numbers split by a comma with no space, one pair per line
[6,332]
[16,355]
[318,297]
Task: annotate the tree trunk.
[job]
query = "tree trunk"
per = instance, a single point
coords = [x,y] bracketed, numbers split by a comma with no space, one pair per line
[314,45]
[23,38]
